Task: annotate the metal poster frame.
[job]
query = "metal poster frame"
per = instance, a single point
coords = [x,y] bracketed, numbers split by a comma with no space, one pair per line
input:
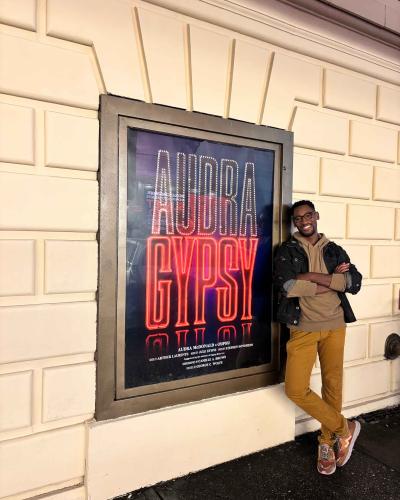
[117,115]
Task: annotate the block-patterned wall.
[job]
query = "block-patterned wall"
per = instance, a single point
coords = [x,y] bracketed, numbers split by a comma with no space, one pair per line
[57,57]
[48,253]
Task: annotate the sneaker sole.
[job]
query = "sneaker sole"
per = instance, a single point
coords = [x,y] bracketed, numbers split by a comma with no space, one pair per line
[355,436]
[324,473]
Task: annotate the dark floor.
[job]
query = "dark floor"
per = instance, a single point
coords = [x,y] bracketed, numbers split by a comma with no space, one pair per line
[288,471]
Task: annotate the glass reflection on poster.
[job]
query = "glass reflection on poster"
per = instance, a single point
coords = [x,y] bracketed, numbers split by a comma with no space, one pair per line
[198,257]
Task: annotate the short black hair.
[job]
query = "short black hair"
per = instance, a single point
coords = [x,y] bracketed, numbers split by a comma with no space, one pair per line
[299,204]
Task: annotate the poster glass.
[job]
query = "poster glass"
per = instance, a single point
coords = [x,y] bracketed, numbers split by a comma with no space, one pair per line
[199,217]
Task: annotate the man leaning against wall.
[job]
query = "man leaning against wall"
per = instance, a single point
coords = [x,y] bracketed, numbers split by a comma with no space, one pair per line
[313,275]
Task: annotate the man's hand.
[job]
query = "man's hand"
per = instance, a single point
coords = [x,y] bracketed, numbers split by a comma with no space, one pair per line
[322,289]
[342,268]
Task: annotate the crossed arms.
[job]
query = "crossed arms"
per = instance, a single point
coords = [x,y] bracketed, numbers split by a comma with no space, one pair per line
[344,278]
[323,282]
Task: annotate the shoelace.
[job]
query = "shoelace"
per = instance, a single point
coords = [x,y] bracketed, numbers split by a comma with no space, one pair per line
[324,452]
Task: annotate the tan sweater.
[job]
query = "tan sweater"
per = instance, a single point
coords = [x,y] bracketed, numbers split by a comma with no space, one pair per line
[322,311]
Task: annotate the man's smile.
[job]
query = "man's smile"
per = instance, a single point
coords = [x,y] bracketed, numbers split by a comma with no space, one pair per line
[307,229]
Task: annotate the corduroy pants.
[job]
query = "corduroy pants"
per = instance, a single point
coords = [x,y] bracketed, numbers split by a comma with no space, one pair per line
[302,350]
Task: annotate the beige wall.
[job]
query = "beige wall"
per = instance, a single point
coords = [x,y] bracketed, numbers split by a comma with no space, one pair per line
[56,58]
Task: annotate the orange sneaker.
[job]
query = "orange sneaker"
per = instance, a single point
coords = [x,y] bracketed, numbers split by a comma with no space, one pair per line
[346,444]
[326,463]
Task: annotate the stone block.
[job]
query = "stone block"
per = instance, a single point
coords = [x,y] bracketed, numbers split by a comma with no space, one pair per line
[370,222]
[332,219]
[166,67]
[342,178]
[73,494]
[17,127]
[47,330]
[396,299]
[19,13]
[45,459]
[356,343]
[305,173]
[385,261]
[373,141]
[29,202]
[378,335]
[373,301]
[16,400]
[395,382]
[366,381]
[360,257]
[107,25]
[210,58]
[255,412]
[345,92]
[291,79]
[388,104]
[322,131]
[299,413]
[249,77]
[70,266]
[387,184]
[397,228]
[17,267]
[71,141]
[68,391]
[24,71]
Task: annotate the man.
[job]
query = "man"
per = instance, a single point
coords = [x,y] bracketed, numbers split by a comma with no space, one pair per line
[313,274]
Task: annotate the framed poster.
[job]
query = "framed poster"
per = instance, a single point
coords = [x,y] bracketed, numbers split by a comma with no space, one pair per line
[191,209]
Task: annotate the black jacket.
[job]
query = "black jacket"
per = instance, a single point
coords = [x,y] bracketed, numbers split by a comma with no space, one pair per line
[291,260]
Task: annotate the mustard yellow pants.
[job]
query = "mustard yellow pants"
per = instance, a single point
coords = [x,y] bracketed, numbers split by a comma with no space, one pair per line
[302,349]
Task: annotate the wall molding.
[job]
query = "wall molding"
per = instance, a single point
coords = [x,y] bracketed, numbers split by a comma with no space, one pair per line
[294,29]
[331,12]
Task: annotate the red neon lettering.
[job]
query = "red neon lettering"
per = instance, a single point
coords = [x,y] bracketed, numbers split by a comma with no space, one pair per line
[157,344]
[246,333]
[205,275]
[181,337]
[226,333]
[227,296]
[158,291]
[247,258]
[183,260]
[199,335]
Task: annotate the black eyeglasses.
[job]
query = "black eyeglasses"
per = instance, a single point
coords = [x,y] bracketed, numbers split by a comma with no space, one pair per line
[306,217]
